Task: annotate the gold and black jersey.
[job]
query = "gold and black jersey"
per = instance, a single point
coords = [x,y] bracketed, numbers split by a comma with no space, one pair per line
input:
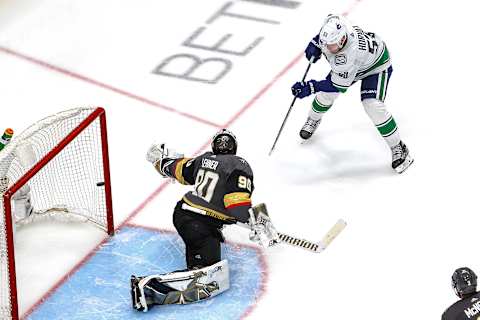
[222,183]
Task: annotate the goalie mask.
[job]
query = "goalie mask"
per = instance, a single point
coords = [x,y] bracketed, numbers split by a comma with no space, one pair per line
[224,142]
[464,282]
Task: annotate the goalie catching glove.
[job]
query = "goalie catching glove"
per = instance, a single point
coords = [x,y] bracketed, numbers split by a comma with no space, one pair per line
[161,157]
[262,230]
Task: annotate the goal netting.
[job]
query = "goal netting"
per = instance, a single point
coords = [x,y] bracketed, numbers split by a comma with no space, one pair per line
[57,168]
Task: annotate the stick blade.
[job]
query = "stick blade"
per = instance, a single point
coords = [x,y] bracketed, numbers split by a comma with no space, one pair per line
[333,233]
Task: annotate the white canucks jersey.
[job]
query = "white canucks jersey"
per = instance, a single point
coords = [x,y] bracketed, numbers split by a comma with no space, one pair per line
[364,54]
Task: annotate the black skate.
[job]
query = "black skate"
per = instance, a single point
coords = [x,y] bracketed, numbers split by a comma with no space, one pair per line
[401,159]
[309,128]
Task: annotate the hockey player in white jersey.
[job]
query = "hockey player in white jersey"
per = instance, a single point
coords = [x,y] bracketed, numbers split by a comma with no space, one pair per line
[354,55]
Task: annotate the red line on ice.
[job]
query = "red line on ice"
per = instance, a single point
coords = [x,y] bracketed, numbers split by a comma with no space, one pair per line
[227,124]
[105,86]
[164,184]
[263,263]
[155,193]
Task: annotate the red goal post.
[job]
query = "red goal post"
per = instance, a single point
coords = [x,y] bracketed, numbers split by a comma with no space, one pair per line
[69,175]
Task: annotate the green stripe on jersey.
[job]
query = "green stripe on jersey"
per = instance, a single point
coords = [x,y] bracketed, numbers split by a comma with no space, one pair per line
[340,88]
[388,127]
[318,107]
[382,59]
[382,86]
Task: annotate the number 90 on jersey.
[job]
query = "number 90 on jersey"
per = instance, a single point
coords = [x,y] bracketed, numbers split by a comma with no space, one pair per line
[245,183]
[206,181]
[205,184]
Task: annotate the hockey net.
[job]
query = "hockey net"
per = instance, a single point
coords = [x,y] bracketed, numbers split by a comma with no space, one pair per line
[62,163]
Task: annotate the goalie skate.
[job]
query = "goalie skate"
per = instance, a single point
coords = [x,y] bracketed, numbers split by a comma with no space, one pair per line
[136,295]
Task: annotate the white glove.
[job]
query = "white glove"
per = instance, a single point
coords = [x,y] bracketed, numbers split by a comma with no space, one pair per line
[156,153]
[262,230]
[258,235]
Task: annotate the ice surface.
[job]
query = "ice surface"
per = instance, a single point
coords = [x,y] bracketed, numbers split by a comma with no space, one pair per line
[406,233]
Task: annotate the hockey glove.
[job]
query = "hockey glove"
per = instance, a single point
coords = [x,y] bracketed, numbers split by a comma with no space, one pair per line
[160,157]
[262,230]
[313,50]
[304,88]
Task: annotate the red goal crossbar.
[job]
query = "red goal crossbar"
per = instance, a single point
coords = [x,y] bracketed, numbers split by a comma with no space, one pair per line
[97,115]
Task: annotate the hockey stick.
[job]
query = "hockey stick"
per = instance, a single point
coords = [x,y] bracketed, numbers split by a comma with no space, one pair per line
[315,246]
[289,109]
[285,238]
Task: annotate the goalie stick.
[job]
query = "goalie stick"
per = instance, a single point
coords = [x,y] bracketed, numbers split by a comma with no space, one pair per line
[315,246]
[285,238]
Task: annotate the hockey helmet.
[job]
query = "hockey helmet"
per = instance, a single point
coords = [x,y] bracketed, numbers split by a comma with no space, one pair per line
[333,31]
[224,142]
[464,282]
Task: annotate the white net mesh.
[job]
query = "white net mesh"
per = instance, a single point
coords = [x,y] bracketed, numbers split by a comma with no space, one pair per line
[70,186]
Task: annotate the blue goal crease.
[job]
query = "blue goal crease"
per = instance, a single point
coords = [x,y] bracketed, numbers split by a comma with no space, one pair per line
[100,289]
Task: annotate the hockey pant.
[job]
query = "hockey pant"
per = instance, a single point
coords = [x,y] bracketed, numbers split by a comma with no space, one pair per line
[202,239]
[373,93]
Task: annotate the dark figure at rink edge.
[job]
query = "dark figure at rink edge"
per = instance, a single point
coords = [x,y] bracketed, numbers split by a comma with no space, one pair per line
[464,283]
[354,55]
[223,184]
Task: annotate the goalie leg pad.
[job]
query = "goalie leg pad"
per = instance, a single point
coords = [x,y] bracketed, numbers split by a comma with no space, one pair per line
[181,287]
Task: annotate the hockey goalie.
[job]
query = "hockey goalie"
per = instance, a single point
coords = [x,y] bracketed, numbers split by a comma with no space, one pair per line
[223,185]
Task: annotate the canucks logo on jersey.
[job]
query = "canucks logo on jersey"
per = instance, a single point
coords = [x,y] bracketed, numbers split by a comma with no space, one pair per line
[364,54]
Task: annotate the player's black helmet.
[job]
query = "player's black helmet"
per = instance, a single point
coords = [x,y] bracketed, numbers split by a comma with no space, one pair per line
[224,142]
[464,282]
